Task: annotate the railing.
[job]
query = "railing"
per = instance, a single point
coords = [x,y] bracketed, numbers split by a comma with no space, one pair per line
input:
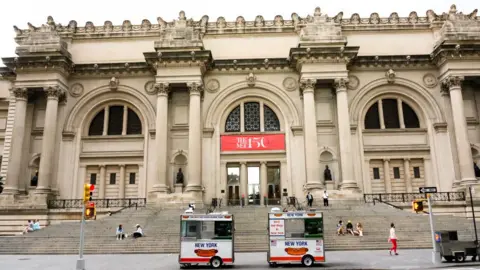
[409,197]
[99,203]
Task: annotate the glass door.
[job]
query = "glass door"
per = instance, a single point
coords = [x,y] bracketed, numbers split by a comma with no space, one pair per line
[233,185]
[273,182]
[253,178]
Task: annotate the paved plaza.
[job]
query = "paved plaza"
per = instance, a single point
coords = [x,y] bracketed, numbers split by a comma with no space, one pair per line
[408,259]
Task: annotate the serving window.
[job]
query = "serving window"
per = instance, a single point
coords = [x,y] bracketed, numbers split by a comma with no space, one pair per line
[304,228]
[206,230]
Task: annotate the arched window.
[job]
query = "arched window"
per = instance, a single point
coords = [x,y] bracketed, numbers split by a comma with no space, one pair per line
[390,114]
[120,120]
[256,116]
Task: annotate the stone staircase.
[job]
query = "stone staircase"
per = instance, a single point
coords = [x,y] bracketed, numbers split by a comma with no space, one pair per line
[161,228]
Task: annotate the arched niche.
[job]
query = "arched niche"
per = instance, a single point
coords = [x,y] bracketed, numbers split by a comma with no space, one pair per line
[179,161]
[33,166]
[327,158]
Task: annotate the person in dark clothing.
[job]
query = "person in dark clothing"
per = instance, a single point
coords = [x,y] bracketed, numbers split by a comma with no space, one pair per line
[309,199]
[350,227]
[34,181]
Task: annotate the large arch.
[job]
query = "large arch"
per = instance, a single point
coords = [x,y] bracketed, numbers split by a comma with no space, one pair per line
[421,101]
[89,104]
[281,103]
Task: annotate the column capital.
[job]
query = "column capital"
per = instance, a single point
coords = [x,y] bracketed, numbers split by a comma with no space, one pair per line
[53,92]
[162,88]
[121,165]
[243,163]
[102,165]
[20,93]
[263,163]
[195,88]
[307,84]
[406,159]
[386,160]
[340,84]
[452,82]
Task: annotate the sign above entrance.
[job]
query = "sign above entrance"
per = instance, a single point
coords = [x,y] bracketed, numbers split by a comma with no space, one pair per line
[253,142]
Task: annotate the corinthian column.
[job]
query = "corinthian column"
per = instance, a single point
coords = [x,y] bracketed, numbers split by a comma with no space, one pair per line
[161,133]
[45,173]
[14,166]
[344,136]
[454,85]
[307,87]
[194,139]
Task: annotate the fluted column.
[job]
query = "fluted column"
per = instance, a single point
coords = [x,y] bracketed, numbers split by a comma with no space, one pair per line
[243,182]
[194,139]
[161,136]
[102,183]
[408,177]
[121,188]
[454,86]
[344,136]
[263,182]
[14,165]
[49,137]
[386,176]
[307,86]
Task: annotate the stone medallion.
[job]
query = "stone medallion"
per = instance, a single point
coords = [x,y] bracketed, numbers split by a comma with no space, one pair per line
[149,87]
[290,84]
[76,90]
[213,85]
[430,80]
[353,82]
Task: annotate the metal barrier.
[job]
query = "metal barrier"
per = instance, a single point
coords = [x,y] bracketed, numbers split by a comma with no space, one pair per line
[99,203]
[409,197]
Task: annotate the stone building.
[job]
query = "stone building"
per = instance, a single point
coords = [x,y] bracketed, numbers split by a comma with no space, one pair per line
[247,109]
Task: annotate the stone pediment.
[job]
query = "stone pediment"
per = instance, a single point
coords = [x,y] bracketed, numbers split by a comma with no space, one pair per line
[319,31]
[458,26]
[182,34]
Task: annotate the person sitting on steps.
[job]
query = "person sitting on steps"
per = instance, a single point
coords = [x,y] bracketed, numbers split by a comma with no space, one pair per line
[120,233]
[138,233]
[350,227]
[340,228]
[359,230]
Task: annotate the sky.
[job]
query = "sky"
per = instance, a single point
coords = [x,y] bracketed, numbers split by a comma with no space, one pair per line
[19,12]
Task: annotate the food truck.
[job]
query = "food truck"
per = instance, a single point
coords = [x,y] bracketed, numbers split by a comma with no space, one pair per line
[206,239]
[295,238]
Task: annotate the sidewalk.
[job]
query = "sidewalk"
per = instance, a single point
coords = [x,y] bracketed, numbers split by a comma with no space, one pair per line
[368,260]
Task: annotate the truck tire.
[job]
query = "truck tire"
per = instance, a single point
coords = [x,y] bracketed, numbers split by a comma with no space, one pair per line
[459,257]
[216,262]
[307,261]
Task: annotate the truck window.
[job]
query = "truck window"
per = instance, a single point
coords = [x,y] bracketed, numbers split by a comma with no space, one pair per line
[196,229]
[294,228]
[314,227]
[223,230]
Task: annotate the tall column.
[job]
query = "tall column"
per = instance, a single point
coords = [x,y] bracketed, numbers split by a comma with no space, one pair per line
[124,123]
[408,178]
[223,182]
[263,182]
[380,114]
[194,139]
[243,182]
[454,86]
[102,185]
[121,188]
[49,137]
[105,120]
[344,134]
[307,86]
[14,166]
[386,176]
[161,136]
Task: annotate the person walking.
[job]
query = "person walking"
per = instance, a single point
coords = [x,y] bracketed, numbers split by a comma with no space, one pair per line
[325,198]
[393,239]
[309,199]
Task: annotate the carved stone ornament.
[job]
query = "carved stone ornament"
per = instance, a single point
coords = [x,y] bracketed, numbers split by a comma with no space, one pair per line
[162,89]
[53,92]
[150,87]
[213,85]
[251,79]
[114,82]
[353,82]
[453,81]
[307,84]
[76,90]
[341,84]
[429,80]
[290,84]
[195,88]
[20,93]
[390,75]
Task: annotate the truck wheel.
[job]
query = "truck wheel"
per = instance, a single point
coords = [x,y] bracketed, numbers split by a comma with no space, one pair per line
[448,258]
[307,261]
[460,257]
[216,262]
[273,264]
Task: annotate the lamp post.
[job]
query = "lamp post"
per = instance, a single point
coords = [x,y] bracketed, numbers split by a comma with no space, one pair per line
[473,215]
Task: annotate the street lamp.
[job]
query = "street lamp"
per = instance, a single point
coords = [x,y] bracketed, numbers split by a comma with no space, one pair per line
[473,215]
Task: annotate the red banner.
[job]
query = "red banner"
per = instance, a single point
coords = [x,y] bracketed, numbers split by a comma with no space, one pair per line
[252,142]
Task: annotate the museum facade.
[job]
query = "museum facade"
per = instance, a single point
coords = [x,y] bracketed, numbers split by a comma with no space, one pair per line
[193,109]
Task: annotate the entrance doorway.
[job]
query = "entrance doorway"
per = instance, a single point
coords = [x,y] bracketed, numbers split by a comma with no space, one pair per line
[233,185]
[253,178]
[273,182]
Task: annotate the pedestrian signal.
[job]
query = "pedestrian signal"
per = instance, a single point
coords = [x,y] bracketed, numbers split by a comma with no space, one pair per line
[90,211]
[418,206]
[88,192]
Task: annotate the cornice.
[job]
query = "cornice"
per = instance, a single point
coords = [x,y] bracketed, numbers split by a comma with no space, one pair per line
[20,64]
[202,58]
[299,56]
[392,61]
[254,64]
[112,69]
[462,50]
[7,74]
[241,26]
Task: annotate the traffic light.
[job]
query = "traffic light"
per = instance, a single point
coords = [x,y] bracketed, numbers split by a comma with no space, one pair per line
[418,206]
[88,192]
[90,211]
